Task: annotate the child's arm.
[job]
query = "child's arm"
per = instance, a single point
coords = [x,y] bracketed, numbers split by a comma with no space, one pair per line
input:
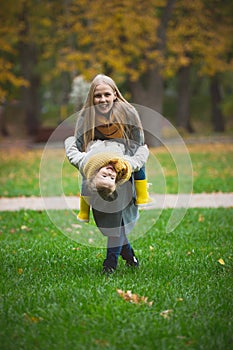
[73,154]
[139,158]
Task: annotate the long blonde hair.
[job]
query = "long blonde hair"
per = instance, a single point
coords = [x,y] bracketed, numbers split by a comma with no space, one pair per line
[125,115]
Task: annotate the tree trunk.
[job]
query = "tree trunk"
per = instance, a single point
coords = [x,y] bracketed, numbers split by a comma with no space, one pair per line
[3,128]
[149,90]
[31,103]
[184,94]
[28,60]
[216,98]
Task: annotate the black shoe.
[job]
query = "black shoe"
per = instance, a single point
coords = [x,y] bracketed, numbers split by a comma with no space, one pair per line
[108,270]
[127,254]
[110,264]
[132,262]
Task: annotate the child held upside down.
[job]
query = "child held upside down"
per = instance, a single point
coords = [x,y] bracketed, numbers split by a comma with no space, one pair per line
[106,166]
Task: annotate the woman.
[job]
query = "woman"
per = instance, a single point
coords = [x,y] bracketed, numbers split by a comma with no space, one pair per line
[106,115]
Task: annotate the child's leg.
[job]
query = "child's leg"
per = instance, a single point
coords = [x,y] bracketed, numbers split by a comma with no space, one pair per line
[84,212]
[141,187]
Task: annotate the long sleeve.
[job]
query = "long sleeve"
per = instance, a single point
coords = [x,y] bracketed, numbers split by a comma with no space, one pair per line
[139,158]
[73,154]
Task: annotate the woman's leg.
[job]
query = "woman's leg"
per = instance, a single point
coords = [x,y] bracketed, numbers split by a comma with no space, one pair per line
[119,246]
[114,247]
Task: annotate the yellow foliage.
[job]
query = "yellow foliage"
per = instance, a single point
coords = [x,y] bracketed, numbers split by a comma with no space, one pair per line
[86,37]
[200,34]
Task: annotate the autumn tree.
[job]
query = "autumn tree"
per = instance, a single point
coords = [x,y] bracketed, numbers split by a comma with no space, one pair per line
[11,78]
[45,44]
[218,56]
[200,35]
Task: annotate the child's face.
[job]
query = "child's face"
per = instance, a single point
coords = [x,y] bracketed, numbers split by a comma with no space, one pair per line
[106,178]
[104,98]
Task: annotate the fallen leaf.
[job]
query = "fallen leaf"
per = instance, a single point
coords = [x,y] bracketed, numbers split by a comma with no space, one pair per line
[221,261]
[134,298]
[32,319]
[76,225]
[102,342]
[20,271]
[166,313]
[201,218]
[25,228]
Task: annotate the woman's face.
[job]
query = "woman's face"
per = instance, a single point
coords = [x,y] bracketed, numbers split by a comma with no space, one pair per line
[104,98]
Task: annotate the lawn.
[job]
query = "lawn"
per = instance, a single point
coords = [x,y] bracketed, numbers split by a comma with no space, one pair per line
[211,167]
[53,295]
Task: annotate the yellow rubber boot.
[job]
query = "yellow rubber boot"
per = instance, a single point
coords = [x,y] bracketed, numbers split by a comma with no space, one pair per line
[84,212]
[143,197]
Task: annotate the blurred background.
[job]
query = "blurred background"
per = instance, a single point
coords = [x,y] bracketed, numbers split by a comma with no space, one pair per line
[174,56]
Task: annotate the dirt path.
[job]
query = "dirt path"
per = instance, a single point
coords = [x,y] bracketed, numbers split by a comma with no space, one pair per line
[203,200]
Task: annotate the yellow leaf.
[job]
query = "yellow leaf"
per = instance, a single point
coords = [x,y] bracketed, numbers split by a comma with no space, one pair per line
[32,319]
[180,299]
[201,218]
[221,261]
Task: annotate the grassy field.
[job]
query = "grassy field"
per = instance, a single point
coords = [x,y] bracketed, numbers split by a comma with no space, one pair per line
[212,171]
[53,295]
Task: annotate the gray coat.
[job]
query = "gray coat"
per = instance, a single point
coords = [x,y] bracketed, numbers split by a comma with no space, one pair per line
[79,159]
[122,212]
[110,216]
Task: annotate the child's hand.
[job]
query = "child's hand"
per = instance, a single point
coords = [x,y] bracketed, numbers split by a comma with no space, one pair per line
[122,167]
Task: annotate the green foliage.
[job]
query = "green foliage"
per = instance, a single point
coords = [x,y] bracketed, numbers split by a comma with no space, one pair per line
[53,295]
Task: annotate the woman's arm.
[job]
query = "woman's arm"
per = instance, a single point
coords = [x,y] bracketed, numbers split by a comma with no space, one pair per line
[73,154]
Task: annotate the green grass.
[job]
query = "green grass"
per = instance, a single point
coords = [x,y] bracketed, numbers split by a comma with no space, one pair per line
[212,171]
[52,292]
[53,295]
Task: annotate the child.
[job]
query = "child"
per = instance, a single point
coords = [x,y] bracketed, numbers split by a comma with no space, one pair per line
[105,165]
